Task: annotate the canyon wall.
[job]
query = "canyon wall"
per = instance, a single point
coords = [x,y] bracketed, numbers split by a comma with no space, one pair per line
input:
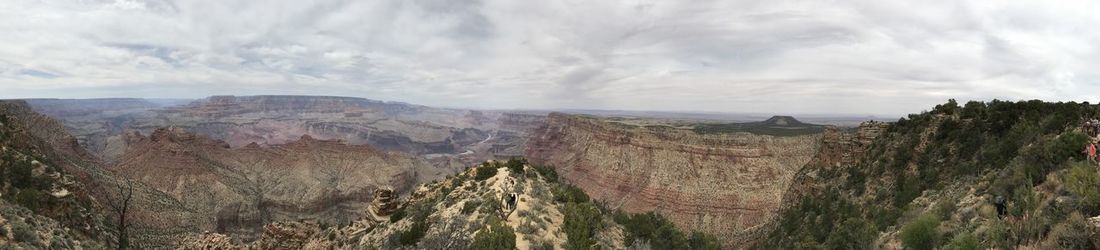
[724,184]
[238,190]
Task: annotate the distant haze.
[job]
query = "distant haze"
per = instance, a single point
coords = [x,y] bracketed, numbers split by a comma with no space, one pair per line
[767,57]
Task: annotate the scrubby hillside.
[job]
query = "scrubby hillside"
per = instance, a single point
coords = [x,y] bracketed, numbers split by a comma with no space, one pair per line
[933,180]
[42,205]
[471,211]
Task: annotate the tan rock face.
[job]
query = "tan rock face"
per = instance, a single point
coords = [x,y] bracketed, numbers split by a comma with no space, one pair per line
[845,148]
[721,184]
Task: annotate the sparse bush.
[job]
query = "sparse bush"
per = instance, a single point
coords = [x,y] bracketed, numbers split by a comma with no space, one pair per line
[496,236]
[490,205]
[1084,182]
[1070,234]
[470,205]
[703,241]
[542,245]
[963,241]
[527,227]
[998,235]
[921,233]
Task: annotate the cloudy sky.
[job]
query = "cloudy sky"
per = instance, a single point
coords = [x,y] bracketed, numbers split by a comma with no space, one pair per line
[865,57]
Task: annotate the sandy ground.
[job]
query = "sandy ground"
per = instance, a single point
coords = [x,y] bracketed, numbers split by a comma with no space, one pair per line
[523,203]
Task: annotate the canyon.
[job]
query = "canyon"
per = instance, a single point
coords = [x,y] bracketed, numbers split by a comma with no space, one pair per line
[725,184]
[235,166]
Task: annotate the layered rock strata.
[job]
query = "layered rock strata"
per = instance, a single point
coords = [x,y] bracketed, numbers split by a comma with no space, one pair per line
[724,184]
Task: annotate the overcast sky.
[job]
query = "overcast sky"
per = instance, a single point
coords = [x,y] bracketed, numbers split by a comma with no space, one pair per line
[864,57]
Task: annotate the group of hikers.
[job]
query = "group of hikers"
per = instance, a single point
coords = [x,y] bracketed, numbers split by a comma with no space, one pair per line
[1092,129]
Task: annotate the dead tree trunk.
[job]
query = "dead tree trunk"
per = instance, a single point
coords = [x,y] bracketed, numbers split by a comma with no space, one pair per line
[119,202]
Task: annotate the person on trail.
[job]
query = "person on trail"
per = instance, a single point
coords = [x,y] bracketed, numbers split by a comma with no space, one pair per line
[999,202]
[1091,149]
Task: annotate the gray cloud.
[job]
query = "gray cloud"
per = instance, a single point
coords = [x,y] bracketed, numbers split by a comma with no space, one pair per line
[742,56]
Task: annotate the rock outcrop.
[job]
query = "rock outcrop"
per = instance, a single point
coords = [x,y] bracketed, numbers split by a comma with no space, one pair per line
[724,184]
[841,148]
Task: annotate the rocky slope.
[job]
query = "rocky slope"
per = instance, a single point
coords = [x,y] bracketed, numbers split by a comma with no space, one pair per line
[470,211]
[44,204]
[725,184]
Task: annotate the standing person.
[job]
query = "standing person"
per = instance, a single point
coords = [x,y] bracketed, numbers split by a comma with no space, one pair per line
[1092,152]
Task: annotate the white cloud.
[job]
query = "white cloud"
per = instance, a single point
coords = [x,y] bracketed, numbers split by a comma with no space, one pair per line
[755,56]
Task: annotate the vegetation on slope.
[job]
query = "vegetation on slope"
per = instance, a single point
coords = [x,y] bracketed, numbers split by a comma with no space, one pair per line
[39,196]
[932,181]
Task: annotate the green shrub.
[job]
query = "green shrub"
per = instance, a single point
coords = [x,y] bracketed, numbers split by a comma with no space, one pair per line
[640,226]
[21,174]
[568,193]
[703,241]
[660,232]
[998,235]
[418,213]
[853,233]
[23,232]
[413,234]
[470,205]
[1024,201]
[1084,182]
[490,205]
[397,215]
[547,173]
[581,222]
[528,227]
[921,233]
[542,245]
[1070,234]
[515,165]
[963,241]
[496,236]
[30,198]
[485,172]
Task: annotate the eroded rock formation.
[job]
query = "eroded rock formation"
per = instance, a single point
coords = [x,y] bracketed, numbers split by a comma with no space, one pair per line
[725,184]
[840,147]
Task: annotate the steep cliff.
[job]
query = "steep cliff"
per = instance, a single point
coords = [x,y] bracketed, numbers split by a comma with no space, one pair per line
[725,184]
